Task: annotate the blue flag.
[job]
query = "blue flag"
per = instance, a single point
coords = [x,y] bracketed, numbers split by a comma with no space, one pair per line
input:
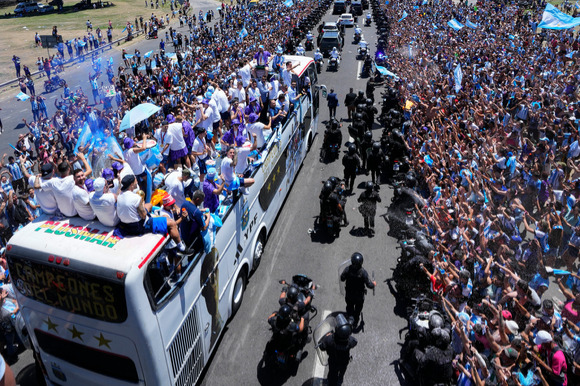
[243,33]
[148,54]
[22,96]
[404,16]
[553,18]
[455,24]
[289,3]
[434,26]
[424,2]
[458,76]
[470,24]
[385,72]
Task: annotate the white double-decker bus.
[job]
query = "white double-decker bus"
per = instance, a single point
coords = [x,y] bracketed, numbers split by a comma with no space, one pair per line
[100,310]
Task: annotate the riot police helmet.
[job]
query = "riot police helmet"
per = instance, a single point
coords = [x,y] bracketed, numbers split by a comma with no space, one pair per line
[369,185]
[327,188]
[333,180]
[356,259]
[284,312]
[351,149]
[292,294]
[368,136]
[376,147]
[397,133]
[361,93]
[342,332]
[369,102]
[435,321]
[358,116]
[411,181]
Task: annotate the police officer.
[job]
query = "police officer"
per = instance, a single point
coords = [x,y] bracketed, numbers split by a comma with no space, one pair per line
[356,278]
[368,207]
[371,111]
[360,99]
[351,163]
[283,325]
[290,296]
[375,161]
[338,345]
[435,363]
[365,146]
[330,202]
[339,191]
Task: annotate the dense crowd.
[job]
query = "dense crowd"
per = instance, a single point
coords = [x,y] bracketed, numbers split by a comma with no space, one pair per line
[496,155]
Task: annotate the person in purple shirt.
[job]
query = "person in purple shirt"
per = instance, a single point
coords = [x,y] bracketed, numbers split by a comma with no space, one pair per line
[253,107]
[212,190]
[235,136]
[262,57]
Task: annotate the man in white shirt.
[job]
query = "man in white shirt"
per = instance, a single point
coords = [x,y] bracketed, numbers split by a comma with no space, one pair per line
[201,151]
[244,152]
[240,94]
[134,221]
[131,156]
[288,72]
[232,180]
[177,183]
[245,72]
[80,196]
[164,141]
[62,186]
[104,203]
[258,129]
[178,147]
[45,198]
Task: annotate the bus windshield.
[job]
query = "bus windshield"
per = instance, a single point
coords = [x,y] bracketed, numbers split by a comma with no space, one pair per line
[65,289]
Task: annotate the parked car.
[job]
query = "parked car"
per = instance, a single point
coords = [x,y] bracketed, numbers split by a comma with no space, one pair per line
[330,40]
[346,20]
[25,8]
[43,8]
[339,7]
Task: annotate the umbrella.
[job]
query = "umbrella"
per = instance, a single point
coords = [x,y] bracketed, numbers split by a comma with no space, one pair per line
[138,114]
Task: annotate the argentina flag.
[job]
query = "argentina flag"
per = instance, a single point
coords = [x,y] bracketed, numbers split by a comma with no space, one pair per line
[470,24]
[553,18]
[455,24]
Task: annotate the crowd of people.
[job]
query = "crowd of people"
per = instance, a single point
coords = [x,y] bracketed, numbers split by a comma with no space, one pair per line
[496,156]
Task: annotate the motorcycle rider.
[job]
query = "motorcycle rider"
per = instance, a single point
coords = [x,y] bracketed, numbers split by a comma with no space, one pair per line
[332,137]
[368,19]
[363,45]
[310,38]
[300,50]
[351,163]
[338,345]
[356,278]
[290,296]
[330,203]
[357,33]
[318,59]
[375,160]
[368,206]
[339,190]
[286,331]
[334,54]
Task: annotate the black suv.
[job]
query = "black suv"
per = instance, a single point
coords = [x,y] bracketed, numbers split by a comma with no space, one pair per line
[356,8]
[339,7]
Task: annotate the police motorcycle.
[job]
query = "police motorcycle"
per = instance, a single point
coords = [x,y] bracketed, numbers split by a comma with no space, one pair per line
[368,20]
[318,60]
[299,290]
[334,60]
[362,50]
[401,212]
[300,51]
[426,355]
[357,34]
[331,208]
[332,141]
[309,44]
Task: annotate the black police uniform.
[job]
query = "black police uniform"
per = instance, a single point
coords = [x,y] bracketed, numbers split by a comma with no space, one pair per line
[365,146]
[351,163]
[368,207]
[338,356]
[356,279]
[435,366]
[374,162]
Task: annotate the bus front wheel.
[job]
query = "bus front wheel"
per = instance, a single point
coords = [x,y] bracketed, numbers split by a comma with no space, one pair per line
[239,288]
[259,249]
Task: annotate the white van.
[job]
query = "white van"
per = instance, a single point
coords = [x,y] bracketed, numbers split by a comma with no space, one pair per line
[29,7]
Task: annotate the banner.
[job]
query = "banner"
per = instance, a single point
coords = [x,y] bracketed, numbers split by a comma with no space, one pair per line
[458,76]
[553,18]
[289,3]
[455,24]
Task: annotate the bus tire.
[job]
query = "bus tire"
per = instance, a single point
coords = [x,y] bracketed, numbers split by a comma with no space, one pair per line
[259,249]
[239,289]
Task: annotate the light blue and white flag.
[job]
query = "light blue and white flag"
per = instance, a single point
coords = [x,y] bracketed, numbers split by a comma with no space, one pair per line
[424,2]
[577,6]
[458,76]
[553,18]
[405,14]
[386,72]
[455,24]
[148,54]
[289,3]
[470,24]
[22,96]
[434,26]
[243,33]
[111,62]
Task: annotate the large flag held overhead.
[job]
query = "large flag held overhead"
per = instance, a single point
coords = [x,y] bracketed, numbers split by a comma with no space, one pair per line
[386,72]
[289,3]
[553,18]
[470,24]
[405,14]
[455,24]
[243,33]
[458,75]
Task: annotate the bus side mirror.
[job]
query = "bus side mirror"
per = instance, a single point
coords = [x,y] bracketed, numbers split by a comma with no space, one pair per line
[324,90]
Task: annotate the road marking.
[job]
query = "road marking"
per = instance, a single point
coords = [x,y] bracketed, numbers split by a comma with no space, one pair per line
[23,110]
[359,69]
[319,368]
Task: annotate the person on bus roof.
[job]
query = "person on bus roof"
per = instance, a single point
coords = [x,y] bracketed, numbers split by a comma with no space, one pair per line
[134,218]
[104,202]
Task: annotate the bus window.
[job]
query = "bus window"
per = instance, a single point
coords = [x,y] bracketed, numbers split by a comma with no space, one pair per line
[161,279]
[70,291]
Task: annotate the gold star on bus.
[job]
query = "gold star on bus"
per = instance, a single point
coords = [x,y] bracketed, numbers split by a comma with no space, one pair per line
[51,325]
[76,333]
[274,178]
[268,187]
[103,341]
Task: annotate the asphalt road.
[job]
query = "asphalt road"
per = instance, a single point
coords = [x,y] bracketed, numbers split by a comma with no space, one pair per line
[291,250]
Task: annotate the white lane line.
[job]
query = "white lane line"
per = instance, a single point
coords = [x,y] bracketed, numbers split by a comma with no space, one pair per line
[319,368]
[23,110]
[359,69]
